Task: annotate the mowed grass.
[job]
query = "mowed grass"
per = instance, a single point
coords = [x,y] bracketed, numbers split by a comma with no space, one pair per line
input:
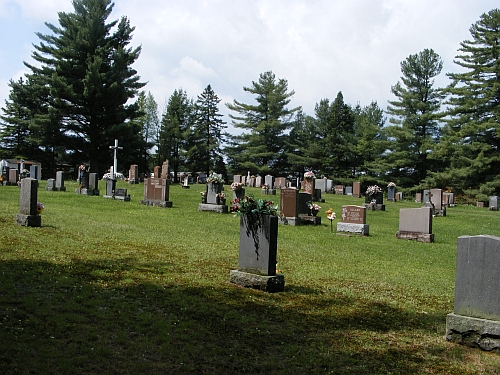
[112,287]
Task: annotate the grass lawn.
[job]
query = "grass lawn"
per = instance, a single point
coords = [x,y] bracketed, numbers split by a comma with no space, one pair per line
[112,287]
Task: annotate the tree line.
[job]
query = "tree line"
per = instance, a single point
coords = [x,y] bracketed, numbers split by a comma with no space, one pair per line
[83,93]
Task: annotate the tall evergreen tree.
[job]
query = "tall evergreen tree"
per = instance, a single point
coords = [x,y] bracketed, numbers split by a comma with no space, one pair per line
[415,115]
[149,123]
[207,134]
[370,139]
[175,125]
[471,141]
[262,149]
[86,63]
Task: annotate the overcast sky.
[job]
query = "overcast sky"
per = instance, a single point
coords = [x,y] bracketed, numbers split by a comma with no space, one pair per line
[320,47]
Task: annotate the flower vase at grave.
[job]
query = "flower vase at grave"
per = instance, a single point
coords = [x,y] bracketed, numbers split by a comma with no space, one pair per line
[238,194]
[203,199]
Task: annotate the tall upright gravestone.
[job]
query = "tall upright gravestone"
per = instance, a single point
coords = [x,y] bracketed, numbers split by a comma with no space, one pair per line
[475,320]
[257,254]
[28,215]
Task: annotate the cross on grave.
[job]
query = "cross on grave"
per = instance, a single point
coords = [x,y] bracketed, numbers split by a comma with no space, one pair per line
[115,162]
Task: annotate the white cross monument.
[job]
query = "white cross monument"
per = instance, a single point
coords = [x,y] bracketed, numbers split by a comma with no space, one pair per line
[115,162]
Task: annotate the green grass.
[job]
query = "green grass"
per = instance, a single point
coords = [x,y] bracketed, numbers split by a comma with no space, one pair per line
[113,287]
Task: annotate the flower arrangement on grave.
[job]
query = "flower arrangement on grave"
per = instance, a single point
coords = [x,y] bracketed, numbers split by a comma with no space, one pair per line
[39,208]
[309,175]
[330,215]
[203,196]
[24,173]
[313,208]
[391,184]
[252,207]
[235,186]
[373,189]
[81,168]
[215,178]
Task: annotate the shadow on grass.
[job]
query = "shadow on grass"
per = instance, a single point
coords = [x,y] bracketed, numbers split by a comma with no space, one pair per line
[89,317]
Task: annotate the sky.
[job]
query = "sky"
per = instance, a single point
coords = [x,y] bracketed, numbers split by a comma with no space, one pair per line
[320,47]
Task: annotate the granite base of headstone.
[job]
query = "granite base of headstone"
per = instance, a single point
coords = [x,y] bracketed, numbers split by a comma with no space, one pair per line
[310,219]
[353,221]
[121,194]
[28,215]
[415,224]
[257,255]
[475,321]
[374,207]
[219,208]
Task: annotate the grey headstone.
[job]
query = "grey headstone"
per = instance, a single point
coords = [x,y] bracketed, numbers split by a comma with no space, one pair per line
[493,206]
[417,220]
[258,245]
[60,181]
[269,180]
[349,191]
[391,193]
[477,281]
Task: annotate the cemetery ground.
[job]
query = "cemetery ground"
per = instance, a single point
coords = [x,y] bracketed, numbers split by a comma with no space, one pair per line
[113,287]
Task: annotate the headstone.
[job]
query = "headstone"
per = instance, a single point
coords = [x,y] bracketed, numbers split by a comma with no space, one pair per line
[212,190]
[418,198]
[480,204]
[269,180]
[320,183]
[280,183]
[437,200]
[308,185]
[28,215]
[258,181]
[185,183]
[493,206]
[35,172]
[51,185]
[428,201]
[399,196]
[415,224]
[339,189]
[353,221]
[356,190]
[13,176]
[237,178]
[156,192]
[448,199]
[164,170]
[110,189]
[293,206]
[329,186]
[5,175]
[251,183]
[93,184]
[243,180]
[475,320]
[133,174]
[60,181]
[391,193]
[257,255]
[213,203]
[156,172]
[348,191]
[121,194]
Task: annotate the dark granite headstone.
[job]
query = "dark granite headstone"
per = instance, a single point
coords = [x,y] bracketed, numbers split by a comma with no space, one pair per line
[391,193]
[28,215]
[475,320]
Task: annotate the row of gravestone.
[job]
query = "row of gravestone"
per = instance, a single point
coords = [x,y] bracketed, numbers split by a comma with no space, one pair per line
[11,176]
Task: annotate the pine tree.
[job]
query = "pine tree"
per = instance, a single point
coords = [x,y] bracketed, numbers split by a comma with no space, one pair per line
[175,125]
[262,149]
[86,63]
[415,113]
[471,141]
[207,134]
[370,141]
